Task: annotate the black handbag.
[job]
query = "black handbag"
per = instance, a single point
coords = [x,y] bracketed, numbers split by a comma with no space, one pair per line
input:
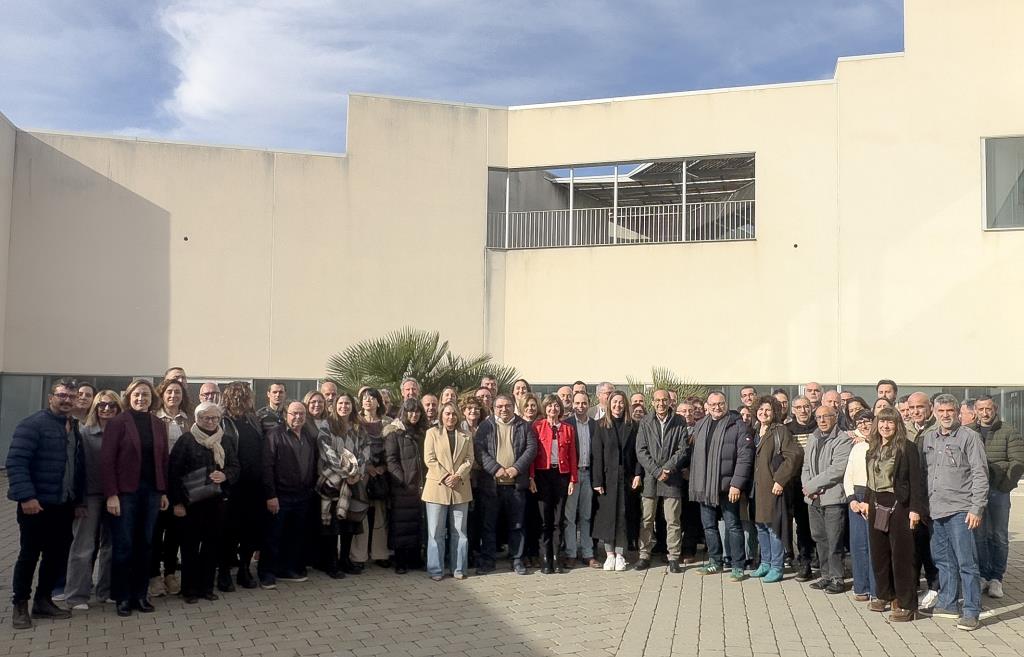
[378,488]
[198,486]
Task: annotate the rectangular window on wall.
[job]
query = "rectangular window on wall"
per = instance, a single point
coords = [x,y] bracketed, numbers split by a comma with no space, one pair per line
[1004,182]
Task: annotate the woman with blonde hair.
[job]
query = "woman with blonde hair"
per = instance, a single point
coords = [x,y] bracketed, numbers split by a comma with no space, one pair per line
[448,454]
[316,409]
[89,529]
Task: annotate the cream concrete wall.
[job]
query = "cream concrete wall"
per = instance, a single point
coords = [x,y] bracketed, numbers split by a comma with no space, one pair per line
[130,255]
[687,306]
[8,138]
[927,295]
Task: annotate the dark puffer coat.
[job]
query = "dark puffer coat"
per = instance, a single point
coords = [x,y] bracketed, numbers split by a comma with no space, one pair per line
[404,453]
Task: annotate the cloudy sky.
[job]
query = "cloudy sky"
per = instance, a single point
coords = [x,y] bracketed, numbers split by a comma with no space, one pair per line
[275,74]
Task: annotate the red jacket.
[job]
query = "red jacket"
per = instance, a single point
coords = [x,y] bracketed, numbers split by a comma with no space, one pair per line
[566,449]
[121,455]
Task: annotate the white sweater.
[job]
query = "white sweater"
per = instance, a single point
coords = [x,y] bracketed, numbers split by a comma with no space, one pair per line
[856,468]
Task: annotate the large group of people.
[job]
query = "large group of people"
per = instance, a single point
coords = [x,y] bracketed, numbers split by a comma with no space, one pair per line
[116,489]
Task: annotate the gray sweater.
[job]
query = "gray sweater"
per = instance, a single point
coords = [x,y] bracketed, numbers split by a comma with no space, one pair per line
[956,471]
[825,459]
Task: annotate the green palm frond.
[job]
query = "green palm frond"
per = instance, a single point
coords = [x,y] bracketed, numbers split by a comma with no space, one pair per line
[662,378]
[383,362]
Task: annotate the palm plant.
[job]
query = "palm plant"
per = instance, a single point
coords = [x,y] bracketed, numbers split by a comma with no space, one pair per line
[662,378]
[383,362]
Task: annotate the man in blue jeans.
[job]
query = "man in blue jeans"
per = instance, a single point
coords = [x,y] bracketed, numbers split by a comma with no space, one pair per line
[721,469]
[1004,449]
[581,503]
[956,474]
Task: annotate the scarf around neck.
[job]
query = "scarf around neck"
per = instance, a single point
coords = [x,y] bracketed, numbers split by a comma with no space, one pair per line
[211,442]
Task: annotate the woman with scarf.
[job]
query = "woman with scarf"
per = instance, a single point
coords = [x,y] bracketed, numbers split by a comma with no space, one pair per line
[855,482]
[615,469]
[403,442]
[198,505]
[777,460]
[346,436]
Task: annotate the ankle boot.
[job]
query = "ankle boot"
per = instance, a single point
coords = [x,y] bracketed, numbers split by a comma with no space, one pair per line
[20,619]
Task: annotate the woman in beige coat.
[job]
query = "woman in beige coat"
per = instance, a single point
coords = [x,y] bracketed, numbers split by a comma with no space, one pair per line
[448,453]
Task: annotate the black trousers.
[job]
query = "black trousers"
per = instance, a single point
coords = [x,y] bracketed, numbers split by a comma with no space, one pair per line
[166,541]
[201,532]
[509,503]
[923,556]
[892,555]
[805,547]
[245,522]
[552,492]
[46,534]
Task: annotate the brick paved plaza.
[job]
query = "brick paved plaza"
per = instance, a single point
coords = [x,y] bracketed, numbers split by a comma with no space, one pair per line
[584,612]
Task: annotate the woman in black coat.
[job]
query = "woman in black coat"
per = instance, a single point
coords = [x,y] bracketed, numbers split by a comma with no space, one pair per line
[614,473]
[403,448]
[202,523]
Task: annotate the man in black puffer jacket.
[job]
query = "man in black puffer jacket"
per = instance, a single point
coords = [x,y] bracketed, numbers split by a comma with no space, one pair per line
[721,469]
[45,468]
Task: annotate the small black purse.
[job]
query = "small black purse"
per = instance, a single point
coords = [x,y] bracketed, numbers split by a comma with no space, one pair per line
[198,486]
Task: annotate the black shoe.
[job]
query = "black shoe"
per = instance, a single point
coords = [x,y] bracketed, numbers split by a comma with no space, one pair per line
[835,586]
[484,569]
[674,567]
[143,605]
[20,619]
[559,569]
[546,568]
[292,577]
[401,570]
[268,581]
[642,564]
[211,596]
[335,574]
[190,599]
[225,584]
[383,563]
[519,568]
[821,584]
[44,608]
[124,608]
[245,579]
[357,568]
[804,575]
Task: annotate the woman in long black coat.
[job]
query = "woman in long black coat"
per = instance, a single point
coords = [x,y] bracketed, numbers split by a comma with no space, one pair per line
[403,448]
[614,473]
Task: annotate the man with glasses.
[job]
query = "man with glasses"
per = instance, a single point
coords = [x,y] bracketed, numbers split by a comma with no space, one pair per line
[956,476]
[920,420]
[604,390]
[46,477]
[806,560]
[721,468]
[289,472]
[1004,450]
[209,392]
[663,451]
[505,446]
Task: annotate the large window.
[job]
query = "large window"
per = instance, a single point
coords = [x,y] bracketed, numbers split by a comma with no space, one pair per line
[1004,191]
[708,199]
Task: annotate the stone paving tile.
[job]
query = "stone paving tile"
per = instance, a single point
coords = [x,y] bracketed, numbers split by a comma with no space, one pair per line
[586,612]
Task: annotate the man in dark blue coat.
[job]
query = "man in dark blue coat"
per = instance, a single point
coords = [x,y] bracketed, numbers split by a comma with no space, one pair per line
[45,469]
[721,470]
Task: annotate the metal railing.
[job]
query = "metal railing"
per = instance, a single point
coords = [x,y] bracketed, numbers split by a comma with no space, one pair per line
[637,224]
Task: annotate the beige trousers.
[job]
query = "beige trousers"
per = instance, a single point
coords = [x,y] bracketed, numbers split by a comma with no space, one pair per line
[673,535]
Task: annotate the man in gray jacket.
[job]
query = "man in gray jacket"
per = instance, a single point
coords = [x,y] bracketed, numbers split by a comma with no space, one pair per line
[956,474]
[663,452]
[825,458]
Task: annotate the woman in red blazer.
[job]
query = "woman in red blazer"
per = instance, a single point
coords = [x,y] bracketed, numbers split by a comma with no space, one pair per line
[133,467]
[553,475]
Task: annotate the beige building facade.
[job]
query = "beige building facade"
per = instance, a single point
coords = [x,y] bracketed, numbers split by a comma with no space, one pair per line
[877,249]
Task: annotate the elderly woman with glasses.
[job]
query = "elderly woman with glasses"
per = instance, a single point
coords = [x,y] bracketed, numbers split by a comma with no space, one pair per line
[202,467]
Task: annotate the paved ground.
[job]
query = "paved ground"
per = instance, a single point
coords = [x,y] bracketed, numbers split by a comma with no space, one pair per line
[584,612]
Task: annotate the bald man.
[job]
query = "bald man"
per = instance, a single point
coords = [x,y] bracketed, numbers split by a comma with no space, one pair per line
[919,410]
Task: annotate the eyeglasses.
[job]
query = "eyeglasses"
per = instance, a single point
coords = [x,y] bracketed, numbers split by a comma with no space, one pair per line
[208,418]
[106,406]
[296,413]
[65,395]
[207,395]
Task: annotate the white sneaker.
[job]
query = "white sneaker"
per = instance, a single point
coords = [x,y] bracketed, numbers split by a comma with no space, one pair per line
[609,562]
[995,589]
[928,599]
[58,597]
[620,563]
[81,606]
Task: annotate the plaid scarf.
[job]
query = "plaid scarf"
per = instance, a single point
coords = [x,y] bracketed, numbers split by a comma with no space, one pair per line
[337,465]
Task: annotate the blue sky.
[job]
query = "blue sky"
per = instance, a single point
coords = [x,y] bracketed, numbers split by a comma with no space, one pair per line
[276,74]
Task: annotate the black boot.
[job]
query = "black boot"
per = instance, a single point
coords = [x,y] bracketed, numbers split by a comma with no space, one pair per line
[20,619]
[44,608]
[224,582]
[124,608]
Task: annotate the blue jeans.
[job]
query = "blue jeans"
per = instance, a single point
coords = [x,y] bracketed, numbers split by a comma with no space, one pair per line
[956,556]
[733,530]
[860,554]
[772,552]
[131,536]
[993,537]
[580,502]
[437,522]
